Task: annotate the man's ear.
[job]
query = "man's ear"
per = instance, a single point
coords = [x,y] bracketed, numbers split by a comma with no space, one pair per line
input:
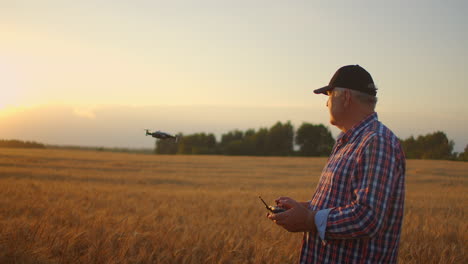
[346,98]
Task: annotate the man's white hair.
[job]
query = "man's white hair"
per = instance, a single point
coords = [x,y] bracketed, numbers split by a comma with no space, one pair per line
[363,98]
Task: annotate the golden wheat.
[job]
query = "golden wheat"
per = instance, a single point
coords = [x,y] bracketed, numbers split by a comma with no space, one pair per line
[59,206]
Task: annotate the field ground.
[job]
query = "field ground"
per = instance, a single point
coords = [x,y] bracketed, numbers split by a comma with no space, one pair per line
[59,206]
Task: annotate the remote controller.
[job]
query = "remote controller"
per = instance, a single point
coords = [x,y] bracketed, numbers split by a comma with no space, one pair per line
[271,208]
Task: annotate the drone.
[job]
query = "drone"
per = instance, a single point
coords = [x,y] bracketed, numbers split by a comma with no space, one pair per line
[161,135]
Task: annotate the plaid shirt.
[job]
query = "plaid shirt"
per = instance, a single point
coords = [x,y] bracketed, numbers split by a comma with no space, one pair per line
[363,187]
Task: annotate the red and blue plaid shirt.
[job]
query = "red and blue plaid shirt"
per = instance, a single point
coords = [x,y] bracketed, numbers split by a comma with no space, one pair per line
[362,187]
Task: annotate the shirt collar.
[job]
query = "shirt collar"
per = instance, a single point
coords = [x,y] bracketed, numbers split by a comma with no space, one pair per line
[356,129]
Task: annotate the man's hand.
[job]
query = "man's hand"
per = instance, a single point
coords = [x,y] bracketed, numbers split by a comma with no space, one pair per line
[305,204]
[297,218]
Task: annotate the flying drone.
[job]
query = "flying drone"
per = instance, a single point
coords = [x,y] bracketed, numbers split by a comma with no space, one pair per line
[161,135]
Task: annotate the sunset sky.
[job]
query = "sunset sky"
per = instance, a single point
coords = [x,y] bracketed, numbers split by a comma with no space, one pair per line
[97,72]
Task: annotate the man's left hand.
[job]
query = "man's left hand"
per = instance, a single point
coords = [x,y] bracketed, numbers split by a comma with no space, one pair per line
[296,219]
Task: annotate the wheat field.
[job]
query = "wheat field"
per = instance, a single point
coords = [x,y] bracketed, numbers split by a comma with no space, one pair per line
[63,206]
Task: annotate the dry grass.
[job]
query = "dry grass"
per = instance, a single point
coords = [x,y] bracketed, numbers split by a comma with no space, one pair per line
[59,206]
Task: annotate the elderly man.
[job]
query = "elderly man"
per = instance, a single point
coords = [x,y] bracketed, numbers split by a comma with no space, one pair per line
[356,212]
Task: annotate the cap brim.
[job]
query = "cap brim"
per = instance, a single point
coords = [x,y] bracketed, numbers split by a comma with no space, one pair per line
[323,90]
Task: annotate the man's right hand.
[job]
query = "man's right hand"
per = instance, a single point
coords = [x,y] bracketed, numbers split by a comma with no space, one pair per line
[305,204]
[296,218]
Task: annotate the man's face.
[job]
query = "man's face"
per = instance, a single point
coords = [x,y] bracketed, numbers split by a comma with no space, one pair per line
[336,107]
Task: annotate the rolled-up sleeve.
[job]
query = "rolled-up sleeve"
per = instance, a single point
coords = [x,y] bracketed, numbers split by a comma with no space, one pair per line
[321,222]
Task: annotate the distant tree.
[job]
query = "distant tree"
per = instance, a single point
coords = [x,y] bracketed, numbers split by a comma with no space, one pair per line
[199,143]
[411,148]
[168,146]
[279,141]
[430,146]
[231,136]
[259,140]
[249,133]
[314,140]
[14,143]
[230,142]
[249,143]
[235,147]
[437,146]
[464,155]
[276,141]
[238,143]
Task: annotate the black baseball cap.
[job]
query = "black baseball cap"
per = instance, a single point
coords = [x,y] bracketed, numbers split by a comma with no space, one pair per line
[353,77]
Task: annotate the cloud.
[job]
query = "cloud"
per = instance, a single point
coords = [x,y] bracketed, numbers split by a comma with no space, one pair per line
[84,113]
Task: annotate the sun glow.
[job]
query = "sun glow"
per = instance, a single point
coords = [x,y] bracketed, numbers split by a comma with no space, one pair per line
[6,111]
[9,83]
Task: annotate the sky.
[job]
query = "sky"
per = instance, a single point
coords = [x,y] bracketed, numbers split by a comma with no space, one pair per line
[96,73]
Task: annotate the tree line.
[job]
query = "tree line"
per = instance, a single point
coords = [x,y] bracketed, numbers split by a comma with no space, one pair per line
[13,143]
[432,146]
[279,140]
[312,140]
